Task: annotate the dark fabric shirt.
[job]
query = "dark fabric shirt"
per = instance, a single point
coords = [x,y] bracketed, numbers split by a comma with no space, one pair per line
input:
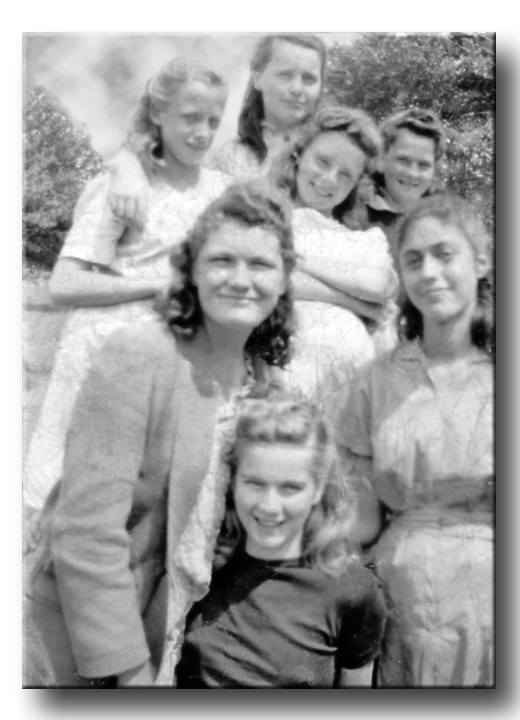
[280,624]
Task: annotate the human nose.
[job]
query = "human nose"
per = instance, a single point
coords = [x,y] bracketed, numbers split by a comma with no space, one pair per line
[203,132]
[296,85]
[270,502]
[240,277]
[429,267]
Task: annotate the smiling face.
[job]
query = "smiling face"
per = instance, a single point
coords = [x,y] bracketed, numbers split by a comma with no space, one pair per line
[274,495]
[329,169]
[239,275]
[189,123]
[290,84]
[409,168]
[440,271]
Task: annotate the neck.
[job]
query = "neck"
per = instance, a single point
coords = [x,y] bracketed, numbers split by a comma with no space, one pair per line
[279,125]
[448,341]
[224,350]
[177,175]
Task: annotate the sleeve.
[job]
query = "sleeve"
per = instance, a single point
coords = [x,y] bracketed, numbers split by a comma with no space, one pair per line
[90,543]
[363,616]
[95,231]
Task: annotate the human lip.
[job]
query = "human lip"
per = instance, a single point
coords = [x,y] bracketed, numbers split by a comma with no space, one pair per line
[238,298]
[433,293]
[324,193]
[268,524]
[198,147]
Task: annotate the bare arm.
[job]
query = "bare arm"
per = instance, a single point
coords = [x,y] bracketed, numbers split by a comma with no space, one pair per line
[370,282]
[75,283]
[128,189]
[308,287]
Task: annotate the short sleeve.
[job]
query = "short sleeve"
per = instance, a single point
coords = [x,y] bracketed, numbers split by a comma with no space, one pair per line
[363,617]
[95,230]
[354,428]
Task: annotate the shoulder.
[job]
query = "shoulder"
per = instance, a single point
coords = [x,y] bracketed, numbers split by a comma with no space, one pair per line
[144,344]
[358,589]
[214,180]
[237,160]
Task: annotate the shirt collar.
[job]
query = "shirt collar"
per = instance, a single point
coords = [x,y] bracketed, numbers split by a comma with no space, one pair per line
[412,351]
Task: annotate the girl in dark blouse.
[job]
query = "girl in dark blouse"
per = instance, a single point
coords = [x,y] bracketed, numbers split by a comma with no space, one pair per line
[290,605]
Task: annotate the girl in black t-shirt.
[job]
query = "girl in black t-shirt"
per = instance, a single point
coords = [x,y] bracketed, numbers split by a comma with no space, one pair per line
[290,605]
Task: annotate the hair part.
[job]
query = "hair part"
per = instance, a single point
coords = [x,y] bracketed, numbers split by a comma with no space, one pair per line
[251,204]
[252,113]
[452,211]
[270,414]
[354,124]
[144,135]
[419,121]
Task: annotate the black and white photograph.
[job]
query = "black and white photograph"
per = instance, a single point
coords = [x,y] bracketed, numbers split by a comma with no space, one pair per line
[258,360]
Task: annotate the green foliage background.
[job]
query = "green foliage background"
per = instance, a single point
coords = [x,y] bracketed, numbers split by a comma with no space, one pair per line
[452,74]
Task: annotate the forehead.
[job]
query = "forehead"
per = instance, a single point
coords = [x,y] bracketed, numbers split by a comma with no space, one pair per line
[275,462]
[335,144]
[198,94]
[427,232]
[287,54]
[239,239]
[407,141]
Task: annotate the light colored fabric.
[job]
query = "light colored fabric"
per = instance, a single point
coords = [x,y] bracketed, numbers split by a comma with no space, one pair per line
[331,343]
[240,162]
[428,431]
[143,422]
[98,237]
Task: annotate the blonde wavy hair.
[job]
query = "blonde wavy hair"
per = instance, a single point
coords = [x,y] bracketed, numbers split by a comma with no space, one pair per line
[144,136]
[270,414]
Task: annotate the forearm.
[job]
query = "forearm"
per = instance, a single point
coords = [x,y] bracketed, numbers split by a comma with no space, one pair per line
[75,287]
[373,284]
[307,287]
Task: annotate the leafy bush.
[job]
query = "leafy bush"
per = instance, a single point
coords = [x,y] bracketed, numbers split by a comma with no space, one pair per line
[58,161]
[452,74]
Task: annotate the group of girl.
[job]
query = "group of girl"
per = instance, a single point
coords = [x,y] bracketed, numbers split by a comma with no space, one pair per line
[216,476]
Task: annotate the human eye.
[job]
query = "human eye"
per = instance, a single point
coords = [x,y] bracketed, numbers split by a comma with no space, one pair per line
[286,74]
[412,260]
[291,488]
[261,263]
[310,79]
[214,122]
[222,259]
[425,166]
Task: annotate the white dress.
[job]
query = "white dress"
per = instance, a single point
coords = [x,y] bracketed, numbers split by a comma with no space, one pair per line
[99,237]
[331,342]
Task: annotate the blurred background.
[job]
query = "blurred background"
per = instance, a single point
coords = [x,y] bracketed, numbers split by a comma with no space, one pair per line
[99,77]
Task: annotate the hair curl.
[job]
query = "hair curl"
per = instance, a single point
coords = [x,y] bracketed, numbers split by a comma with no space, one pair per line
[270,414]
[355,124]
[250,204]
[452,211]
[144,136]
[419,121]
[252,112]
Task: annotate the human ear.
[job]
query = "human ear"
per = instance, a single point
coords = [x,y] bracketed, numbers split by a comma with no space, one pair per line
[483,264]
[256,80]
